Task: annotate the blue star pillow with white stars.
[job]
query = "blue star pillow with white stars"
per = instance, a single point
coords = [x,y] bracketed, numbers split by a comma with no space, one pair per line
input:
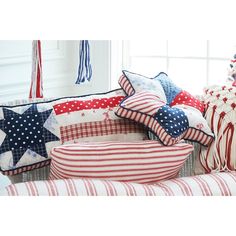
[27,134]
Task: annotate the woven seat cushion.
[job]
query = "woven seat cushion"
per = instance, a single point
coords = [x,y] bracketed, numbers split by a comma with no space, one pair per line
[140,161]
[220,184]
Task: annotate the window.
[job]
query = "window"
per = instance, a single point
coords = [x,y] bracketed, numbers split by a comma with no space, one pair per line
[191,64]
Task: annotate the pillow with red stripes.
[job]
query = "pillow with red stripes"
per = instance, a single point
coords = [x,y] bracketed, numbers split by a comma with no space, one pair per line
[92,118]
[138,161]
[171,119]
[215,184]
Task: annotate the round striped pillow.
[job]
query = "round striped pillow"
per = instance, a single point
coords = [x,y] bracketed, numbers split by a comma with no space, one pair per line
[140,161]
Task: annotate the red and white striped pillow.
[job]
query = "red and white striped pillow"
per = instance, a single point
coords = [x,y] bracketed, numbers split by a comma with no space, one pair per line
[140,161]
[218,184]
[92,118]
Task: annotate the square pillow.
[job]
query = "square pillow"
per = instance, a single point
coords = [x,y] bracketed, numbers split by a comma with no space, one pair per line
[137,161]
[27,134]
[92,118]
[177,116]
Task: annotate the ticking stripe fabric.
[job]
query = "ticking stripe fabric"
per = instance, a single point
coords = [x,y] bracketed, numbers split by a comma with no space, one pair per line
[219,184]
[140,161]
[85,68]
[36,87]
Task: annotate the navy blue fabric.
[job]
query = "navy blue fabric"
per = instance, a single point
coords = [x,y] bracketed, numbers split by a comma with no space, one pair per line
[25,132]
[85,68]
[173,120]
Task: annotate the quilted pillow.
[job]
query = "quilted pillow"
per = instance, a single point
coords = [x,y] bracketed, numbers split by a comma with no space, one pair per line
[221,115]
[177,116]
[27,134]
[28,131]
[92,118]
[140,162]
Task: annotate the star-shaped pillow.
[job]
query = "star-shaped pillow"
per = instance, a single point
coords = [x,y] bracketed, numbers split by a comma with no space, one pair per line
[131,83]
[27,134]
[179,117]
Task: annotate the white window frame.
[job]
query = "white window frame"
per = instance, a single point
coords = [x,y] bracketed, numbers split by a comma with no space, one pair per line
[121,59]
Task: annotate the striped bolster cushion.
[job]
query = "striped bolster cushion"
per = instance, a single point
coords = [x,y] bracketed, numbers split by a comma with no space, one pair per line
[219,184]
[141,162]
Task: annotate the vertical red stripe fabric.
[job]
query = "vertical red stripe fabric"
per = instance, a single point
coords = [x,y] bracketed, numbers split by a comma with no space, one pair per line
[36,88]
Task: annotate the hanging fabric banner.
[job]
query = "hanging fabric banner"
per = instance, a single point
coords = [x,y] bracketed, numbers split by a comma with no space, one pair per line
[85,68]
[36,88]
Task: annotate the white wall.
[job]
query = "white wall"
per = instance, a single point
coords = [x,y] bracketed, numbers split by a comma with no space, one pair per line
[60,65]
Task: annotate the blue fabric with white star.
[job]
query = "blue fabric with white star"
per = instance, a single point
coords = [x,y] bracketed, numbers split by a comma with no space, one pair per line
[25,132]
